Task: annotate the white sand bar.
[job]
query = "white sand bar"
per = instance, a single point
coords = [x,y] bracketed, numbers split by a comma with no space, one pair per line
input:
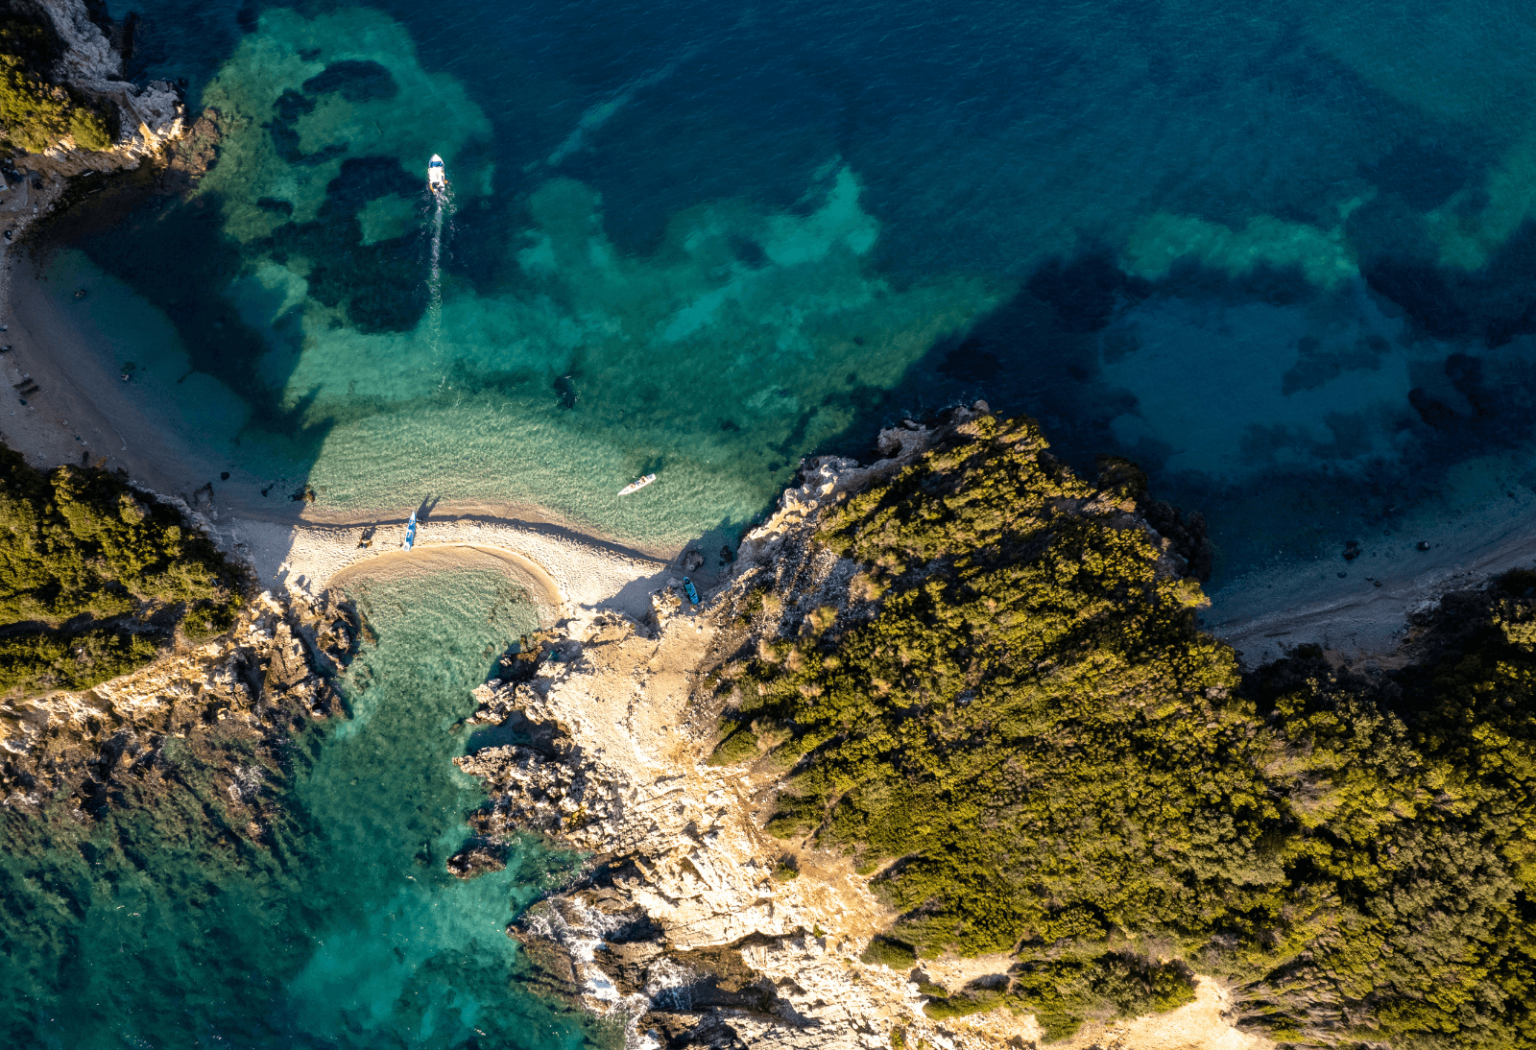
[570,575]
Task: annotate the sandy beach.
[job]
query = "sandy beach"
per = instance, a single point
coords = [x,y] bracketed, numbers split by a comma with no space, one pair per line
[80,412]
[1359,610]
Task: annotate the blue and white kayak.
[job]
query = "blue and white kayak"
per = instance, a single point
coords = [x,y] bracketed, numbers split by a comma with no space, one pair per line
[690,590]
[410,533]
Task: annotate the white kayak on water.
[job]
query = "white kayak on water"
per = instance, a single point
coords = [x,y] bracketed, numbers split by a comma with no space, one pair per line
[636,486]
[437,176]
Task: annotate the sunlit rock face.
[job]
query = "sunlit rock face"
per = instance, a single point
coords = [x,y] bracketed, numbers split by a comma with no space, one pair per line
[149,116]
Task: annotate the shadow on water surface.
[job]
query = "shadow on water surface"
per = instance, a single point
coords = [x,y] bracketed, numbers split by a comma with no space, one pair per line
[1036,354]
[1053,352]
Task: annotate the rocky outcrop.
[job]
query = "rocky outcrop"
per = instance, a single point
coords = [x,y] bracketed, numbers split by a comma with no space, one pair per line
[270,673]
[149,116]
[690,924]
[685,925]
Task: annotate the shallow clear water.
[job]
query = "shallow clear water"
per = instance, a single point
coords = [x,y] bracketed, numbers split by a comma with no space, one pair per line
[162,927]
[1279,255]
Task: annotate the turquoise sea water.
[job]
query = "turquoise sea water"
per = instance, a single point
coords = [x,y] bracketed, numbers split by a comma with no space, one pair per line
[163,926]
[1278,254]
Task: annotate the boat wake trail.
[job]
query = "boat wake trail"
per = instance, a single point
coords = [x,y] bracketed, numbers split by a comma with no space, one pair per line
[442,213]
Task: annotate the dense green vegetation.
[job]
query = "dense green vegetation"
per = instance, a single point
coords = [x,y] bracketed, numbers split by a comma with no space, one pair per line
[34,113]
[95,578]
[1017,717]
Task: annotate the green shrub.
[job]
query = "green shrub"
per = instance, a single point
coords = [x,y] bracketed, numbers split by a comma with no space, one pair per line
[207,619]
[963,1004]
[738,747]
[35,113]
[70,660]
[894,955]
[1055,762]
[1062,993]
[95,576]
[88,129]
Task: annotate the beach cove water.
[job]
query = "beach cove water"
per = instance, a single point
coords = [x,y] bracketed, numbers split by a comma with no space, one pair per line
[1278,257]
[162,927]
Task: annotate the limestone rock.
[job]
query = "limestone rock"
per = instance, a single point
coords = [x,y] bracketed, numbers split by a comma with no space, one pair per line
[149,117]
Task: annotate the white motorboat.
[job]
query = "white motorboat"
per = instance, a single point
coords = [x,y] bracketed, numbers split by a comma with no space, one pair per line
[636,486]
[437,176]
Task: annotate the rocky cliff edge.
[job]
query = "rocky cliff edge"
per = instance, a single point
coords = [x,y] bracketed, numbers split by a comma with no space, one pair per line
[149,116]
[690,925]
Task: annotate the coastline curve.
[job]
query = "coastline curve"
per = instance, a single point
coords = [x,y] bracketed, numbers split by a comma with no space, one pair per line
[446,557]
[572,577]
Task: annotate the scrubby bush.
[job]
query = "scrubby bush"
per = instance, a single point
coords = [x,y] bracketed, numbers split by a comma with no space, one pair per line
[883,951]
[207,619]
[89,129]
[94,578]
[1050,759]
[738,747]
[1063,993]
[963,1004]
[34,113]
[70,659]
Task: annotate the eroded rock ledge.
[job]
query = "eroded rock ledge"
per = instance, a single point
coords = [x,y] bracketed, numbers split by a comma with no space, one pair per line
[258,682]
[690,925]
[149,116]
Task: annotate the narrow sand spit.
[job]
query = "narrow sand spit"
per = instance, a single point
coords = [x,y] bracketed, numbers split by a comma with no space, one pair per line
[571,576]
[84,413]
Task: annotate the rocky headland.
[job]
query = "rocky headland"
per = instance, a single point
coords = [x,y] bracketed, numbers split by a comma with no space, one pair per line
[692,925]
[147,117]
[257,683]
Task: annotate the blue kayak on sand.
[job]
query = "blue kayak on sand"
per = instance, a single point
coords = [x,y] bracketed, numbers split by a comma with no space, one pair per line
[410,533]
[688,588]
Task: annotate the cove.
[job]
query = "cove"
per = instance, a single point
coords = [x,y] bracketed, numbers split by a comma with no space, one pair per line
[1282,262]
[335,923]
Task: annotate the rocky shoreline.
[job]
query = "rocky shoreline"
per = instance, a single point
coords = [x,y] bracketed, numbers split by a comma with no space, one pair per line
[262,680]
[690,926]
[149,116]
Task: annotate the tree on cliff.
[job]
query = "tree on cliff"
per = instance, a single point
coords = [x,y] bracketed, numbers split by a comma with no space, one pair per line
[34,113]
[1019,724]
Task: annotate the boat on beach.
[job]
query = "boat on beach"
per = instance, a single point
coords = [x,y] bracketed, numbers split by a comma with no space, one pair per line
[410,533]
[437,176]
[636,486]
